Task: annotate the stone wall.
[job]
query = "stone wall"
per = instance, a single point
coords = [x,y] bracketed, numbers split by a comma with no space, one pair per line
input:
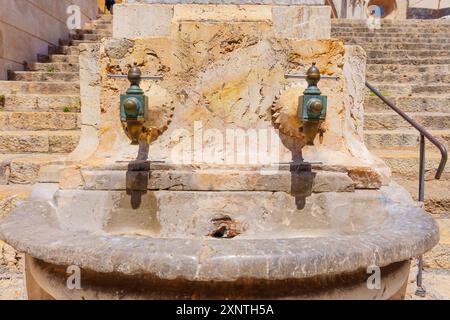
[27,27]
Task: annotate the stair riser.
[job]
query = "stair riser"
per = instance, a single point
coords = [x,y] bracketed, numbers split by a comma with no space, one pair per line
[408,78]
[55,67]
[64,59]
[45,76]
[393,23]
[393,36]
[73,51]
[87,37]
[361,40]
[29,143]
[103,33]
[394,122]
[42,103]
[36,121]
[406,61]
[16,87]
[409,167]
[404,141]
[391,91]
[393,46]
[407,69]
[78,42]
[386,30]
[409,104]
[407,54]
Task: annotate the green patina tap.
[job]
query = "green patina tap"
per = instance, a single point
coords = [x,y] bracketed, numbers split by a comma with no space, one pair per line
[134,108]
[312,109]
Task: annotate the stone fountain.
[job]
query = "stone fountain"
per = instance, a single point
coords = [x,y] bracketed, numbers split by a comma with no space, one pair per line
[230,189]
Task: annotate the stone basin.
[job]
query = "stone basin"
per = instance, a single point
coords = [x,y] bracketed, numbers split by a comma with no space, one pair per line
[166,248]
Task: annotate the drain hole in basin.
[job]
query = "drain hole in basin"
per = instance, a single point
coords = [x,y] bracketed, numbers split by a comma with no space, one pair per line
[225,228]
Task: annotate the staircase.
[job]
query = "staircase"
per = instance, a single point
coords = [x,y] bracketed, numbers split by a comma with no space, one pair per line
[409,62]
[40,107]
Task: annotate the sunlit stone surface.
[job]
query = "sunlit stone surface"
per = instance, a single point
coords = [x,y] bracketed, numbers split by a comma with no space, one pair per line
[214,219]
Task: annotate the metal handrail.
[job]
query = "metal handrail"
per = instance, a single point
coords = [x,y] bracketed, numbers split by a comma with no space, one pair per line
[420,291]
[418,127]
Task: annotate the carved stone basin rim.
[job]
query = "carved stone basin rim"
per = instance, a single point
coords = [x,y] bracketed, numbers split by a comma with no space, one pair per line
[406,232]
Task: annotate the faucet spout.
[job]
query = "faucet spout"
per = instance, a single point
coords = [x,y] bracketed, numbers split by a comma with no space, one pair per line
[147,136]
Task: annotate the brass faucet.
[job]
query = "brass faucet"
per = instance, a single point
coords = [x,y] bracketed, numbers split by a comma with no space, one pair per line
[312,110]
[134,109]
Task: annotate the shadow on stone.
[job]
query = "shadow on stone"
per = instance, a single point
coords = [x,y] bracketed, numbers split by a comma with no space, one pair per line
[302,180]
[137,177]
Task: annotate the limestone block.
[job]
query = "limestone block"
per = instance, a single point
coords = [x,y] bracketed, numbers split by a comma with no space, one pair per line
[138,21]
[24,172]
[365,178]
[50,173]
[333,182]
[90,86]
[58,103]
[63,143]
[26,103]
[302,22]
[43,121]
[439,256]
[23,143]
[3,120]
[70,178]
[133,20]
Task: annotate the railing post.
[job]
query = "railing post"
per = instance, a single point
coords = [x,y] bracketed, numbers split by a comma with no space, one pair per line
[420,290]
[422,169]
[444,156]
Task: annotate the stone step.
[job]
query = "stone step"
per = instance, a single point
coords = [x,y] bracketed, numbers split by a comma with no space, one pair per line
[63,58]
[408,69]
[43,58]
[87,37]
[405,139]
[78,42]
[409,104]
[407,89]
[9,196]
[100,26]
[102,21]
[55,67]
[105,17]
[38,141]
[406,163]
[437,197]
[416,78]
[25,168]
[390,23]
[406,54]
[417,35]
[414,61]
[101,32]
[16,121]
[336,29]
[28,87]
[70,50]
[372,40]
[405,46]
[45,76]
[392,121]
[64,42]
[41,103]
